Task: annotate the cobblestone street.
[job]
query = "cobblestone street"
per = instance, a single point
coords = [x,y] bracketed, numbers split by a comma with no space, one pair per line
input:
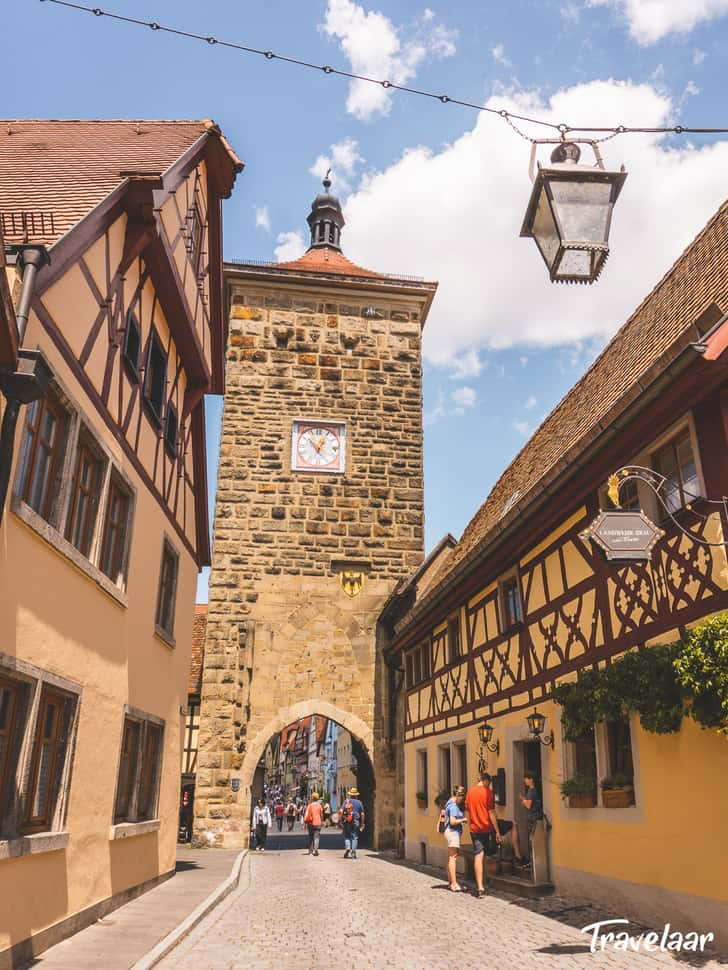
[296,911]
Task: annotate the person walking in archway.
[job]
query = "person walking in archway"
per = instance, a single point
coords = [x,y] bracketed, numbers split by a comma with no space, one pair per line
[313,818]
[352,820]
[280,811]
[261,821]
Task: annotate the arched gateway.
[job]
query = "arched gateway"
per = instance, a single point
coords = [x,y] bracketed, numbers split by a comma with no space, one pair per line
[319,515]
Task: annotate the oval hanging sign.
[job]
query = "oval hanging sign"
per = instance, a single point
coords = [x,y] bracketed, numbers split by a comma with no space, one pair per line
[624,535]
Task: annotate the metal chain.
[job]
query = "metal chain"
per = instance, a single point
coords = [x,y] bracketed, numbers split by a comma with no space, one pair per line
[507,116]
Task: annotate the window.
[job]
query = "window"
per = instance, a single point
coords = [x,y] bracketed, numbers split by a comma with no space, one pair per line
[195,236]
[511,602]
[426,653]
[140,761]
[48,758]
[422,780]
[585,755]
[460,774]
[445,769]
[167,589]
[619,749]
[37,721]
[677,463]
[113,543]
[85,494]
[410,669]
[11,703]
[170,431]
[132,344]
[453,638]
[155,380]
[41,454]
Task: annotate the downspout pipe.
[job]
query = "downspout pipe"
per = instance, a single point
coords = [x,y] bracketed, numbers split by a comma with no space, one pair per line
[32,259]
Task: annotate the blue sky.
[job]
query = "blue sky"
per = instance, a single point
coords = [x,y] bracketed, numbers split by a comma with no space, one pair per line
[437,191]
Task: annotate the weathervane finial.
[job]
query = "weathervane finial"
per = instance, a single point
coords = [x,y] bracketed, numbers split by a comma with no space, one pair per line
[327,180]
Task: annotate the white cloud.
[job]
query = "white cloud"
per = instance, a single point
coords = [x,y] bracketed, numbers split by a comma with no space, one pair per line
[498,53]
[290,246]
[651,20]
[376,48]
[262,217]
[698,57]
[523,427]
[343,159]
[466,365]
[463,398]
[531,403]
[458,213]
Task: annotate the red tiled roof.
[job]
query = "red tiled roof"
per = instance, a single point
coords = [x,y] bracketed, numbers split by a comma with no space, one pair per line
[68,167]
[697,279]
[199,628]
[329,261]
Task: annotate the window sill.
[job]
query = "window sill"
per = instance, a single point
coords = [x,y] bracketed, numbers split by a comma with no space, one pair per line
[54,538]
[167,639]
[33,844]
[127,830]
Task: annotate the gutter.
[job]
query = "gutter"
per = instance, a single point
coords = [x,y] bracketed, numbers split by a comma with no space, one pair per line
[30,381]
[411,625]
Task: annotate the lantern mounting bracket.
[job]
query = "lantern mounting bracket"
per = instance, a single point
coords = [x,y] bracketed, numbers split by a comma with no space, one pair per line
[534,164]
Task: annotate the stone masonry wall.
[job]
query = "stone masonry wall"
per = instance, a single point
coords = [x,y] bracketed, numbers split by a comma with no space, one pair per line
[283,638]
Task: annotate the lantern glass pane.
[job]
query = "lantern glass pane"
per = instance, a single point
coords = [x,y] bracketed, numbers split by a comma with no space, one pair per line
[575,263]
[544,230]
[582,209]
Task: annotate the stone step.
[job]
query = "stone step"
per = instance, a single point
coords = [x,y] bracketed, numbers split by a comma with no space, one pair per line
[519,886]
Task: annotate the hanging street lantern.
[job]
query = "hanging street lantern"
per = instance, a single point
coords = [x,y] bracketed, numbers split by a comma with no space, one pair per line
[569,213]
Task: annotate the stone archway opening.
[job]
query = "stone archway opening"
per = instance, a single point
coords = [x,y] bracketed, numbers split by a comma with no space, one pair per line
[313,754]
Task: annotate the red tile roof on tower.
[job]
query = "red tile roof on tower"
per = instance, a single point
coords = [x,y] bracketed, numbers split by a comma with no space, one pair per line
[68,167]
[329,261]
[199,628]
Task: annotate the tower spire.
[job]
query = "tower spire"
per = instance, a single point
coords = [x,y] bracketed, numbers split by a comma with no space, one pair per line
[326,220]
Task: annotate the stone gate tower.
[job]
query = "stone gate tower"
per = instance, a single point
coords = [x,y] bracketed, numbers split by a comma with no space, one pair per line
[319,513]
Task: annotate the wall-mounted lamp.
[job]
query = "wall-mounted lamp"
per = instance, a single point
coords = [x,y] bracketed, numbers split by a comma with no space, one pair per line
[536,724]
[485,734]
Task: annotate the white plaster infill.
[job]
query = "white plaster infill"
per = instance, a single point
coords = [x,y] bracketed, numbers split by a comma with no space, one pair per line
[33,844]
[127,830]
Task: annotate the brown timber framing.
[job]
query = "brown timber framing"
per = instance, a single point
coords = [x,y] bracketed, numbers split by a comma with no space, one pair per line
[145,237]
[579,472]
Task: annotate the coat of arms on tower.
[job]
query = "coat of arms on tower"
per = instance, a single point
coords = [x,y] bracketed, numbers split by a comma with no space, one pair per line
[351,581]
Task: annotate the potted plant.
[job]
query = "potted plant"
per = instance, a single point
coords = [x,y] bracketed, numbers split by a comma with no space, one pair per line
[442,798]
[581,791]
[617,791]
[421,797]
[506,854]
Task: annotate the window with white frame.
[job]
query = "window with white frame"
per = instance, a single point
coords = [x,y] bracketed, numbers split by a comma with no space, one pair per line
[675,461]
[140,768]
[67,478]
[603,756]
[421,771]
[444,769]
[38,715]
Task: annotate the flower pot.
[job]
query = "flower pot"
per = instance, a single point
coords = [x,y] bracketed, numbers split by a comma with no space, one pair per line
[492,865]
[421,803]
[617,797]
[583,800]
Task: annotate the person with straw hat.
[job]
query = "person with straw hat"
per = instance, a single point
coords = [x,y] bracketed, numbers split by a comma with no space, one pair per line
[313,818]
[352,818]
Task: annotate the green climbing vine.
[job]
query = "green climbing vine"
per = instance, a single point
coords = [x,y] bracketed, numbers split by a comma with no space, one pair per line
[661,684]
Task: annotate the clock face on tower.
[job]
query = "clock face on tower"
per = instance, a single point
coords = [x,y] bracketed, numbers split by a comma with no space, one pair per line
[318,446]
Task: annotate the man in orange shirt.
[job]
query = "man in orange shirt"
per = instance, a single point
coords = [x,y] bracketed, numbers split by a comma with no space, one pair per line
[314,819]
[480,806]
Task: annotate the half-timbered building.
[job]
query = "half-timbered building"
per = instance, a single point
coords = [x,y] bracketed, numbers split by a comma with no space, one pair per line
[525,601]
[112,245]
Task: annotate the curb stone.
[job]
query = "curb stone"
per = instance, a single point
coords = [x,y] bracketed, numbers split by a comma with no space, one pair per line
[170,941]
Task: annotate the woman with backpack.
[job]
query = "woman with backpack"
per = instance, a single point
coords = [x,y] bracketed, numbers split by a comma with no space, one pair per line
[451,821]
